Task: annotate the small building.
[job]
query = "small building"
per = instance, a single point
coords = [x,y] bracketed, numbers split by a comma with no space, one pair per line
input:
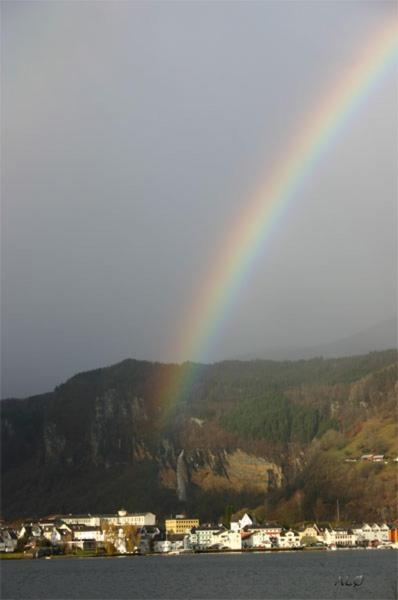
[245,521]
[360,534]
[29,530]
[8,540]
[367,457]
[83,533]
[162,546]
[384,532]
[310,532]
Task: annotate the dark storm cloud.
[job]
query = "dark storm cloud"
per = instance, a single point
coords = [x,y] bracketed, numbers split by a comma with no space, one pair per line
[132,132]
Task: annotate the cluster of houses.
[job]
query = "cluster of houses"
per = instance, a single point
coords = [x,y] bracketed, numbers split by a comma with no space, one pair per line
[374,458]
[138,532]
[246,534]
[84,532]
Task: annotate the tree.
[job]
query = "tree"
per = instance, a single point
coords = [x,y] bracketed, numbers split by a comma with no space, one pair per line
[229,510]
[120,538]
[109,538]
[308,540]
[132,537]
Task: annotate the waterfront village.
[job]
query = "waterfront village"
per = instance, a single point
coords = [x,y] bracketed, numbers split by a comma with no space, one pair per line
[139,533]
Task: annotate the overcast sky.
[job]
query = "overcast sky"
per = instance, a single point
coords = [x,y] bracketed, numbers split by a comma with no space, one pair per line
[132,131]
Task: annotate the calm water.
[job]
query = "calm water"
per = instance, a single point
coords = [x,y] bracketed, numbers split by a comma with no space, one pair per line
[282,575]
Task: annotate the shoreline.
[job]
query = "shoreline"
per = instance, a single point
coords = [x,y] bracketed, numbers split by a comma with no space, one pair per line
[22,556]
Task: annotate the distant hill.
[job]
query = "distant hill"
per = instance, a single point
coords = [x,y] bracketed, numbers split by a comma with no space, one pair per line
[378,337]
[263,434]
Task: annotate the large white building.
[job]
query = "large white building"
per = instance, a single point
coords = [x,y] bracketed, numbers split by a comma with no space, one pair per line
[122,517]
[366,533]
[339,537]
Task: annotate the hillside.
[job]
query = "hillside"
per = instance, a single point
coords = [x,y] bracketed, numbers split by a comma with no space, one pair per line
[268,435]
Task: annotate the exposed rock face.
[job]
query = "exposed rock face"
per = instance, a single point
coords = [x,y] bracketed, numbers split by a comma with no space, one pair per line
[222,470]
[239,471]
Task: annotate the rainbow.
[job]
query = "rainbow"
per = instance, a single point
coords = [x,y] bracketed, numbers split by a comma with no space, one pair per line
[262,211]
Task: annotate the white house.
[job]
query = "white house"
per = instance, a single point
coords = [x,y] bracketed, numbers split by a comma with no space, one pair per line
[345,537]
[384,533]
[8,540]
[228,540]
[162,546]
[378,458]
[359,533]
[31,530]
[289,539]
[367,457]
[84,533]
[256,539]
[3,546]
[375,531]
[272,529]
[205,536]
[245,521]
[372,533]
[340,536]
[53,534]
[367,532]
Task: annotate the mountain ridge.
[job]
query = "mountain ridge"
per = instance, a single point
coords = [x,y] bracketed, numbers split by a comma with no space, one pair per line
[378,337]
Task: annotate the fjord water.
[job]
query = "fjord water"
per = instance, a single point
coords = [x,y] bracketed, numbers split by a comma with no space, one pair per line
[288,575]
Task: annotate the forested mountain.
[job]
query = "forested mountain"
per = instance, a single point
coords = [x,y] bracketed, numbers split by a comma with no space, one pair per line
[271,436]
